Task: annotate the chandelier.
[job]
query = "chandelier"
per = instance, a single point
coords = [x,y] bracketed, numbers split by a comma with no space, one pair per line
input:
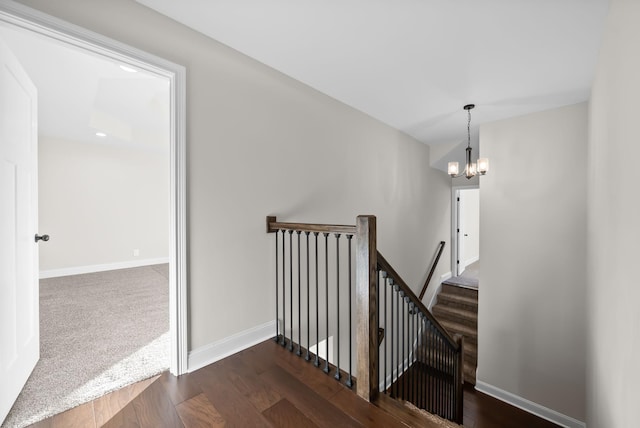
[472,168]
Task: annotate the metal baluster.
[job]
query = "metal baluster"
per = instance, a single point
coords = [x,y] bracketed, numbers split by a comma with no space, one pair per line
[349,381]
[317,361]
[307,357]
[439,372]
[413,358]
[299,351]
[417,350]
[337,235]
[435,367]
[378,274]
[451,391]
[410,348]
[423,378]
[277,338]
[414,347]
[291,286]
[403,358]
[397,347]
[440,377]
[386,332]
[326,289]
[284,292]
[390,280]
[431,367]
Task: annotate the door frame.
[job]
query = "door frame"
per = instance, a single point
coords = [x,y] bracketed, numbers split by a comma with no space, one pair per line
[455,225]
[26,18]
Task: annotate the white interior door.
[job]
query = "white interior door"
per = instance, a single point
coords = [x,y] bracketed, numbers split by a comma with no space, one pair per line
[460,266]
[19,294]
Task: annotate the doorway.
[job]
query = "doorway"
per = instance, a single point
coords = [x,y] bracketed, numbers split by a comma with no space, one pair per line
[22,19]
[465,261]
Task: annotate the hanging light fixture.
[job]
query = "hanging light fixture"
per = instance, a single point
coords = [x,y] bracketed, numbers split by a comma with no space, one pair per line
[472,168]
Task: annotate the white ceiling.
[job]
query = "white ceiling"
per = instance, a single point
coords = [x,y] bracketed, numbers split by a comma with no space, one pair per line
[414,64]
[80,93]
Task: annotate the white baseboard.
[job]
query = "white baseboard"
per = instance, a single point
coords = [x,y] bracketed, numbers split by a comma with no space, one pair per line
[76,270]
[222,348]
[529,406]
[445,276]
[472,260]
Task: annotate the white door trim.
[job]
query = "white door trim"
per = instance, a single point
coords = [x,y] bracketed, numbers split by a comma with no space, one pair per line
[32,20]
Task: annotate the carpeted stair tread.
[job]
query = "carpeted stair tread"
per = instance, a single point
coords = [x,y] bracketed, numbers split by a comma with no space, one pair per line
[454,300]
[470,334]
[460,291]
[462,316]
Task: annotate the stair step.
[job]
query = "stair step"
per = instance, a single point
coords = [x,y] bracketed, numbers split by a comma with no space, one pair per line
[410,415]
[456,301]
[462,316]
[460,291]
[470,334]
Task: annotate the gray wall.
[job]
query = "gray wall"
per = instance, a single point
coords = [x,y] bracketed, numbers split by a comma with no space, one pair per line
[614,229]
[533,244]
[260,143]
[99,202]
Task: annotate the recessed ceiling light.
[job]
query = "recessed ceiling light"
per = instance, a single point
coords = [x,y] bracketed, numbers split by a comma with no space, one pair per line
[128,69]
[101,134]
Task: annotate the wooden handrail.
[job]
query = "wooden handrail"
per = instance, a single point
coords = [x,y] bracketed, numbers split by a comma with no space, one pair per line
[433,268]
[384,265]
[273,226]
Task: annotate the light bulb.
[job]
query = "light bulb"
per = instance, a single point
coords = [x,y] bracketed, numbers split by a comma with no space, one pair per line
[483,165]
[453,169]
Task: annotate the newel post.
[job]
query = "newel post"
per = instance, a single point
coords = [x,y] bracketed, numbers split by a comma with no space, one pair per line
[366,315]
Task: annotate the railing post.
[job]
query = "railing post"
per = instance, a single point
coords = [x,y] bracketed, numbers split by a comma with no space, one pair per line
[366,303]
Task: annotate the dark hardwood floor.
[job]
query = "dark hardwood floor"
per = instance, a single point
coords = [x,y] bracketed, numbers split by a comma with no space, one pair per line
[264,386]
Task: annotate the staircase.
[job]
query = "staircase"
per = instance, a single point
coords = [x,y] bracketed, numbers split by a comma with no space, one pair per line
[403,353]
[457,311]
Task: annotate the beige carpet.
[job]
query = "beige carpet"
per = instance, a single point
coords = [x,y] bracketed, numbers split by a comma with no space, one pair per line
[98,333]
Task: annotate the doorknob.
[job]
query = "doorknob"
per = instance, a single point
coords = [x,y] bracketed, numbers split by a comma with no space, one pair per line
[44,238]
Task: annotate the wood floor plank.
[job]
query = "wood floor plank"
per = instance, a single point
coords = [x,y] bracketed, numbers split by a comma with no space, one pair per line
[125,418]
[264,386]
[483,411]
[322,412]
[180,388]
[283,414]
[323,384]
[232,405]
[396,408]
[78,417]
[198,412]
[240,371]
[363,412]
[154,408]
[107,406]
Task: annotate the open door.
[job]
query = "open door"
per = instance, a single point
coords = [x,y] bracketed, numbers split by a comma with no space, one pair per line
[19,293]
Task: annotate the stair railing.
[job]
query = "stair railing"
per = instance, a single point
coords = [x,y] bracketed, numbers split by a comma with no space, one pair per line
[315,274]
[420,361]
